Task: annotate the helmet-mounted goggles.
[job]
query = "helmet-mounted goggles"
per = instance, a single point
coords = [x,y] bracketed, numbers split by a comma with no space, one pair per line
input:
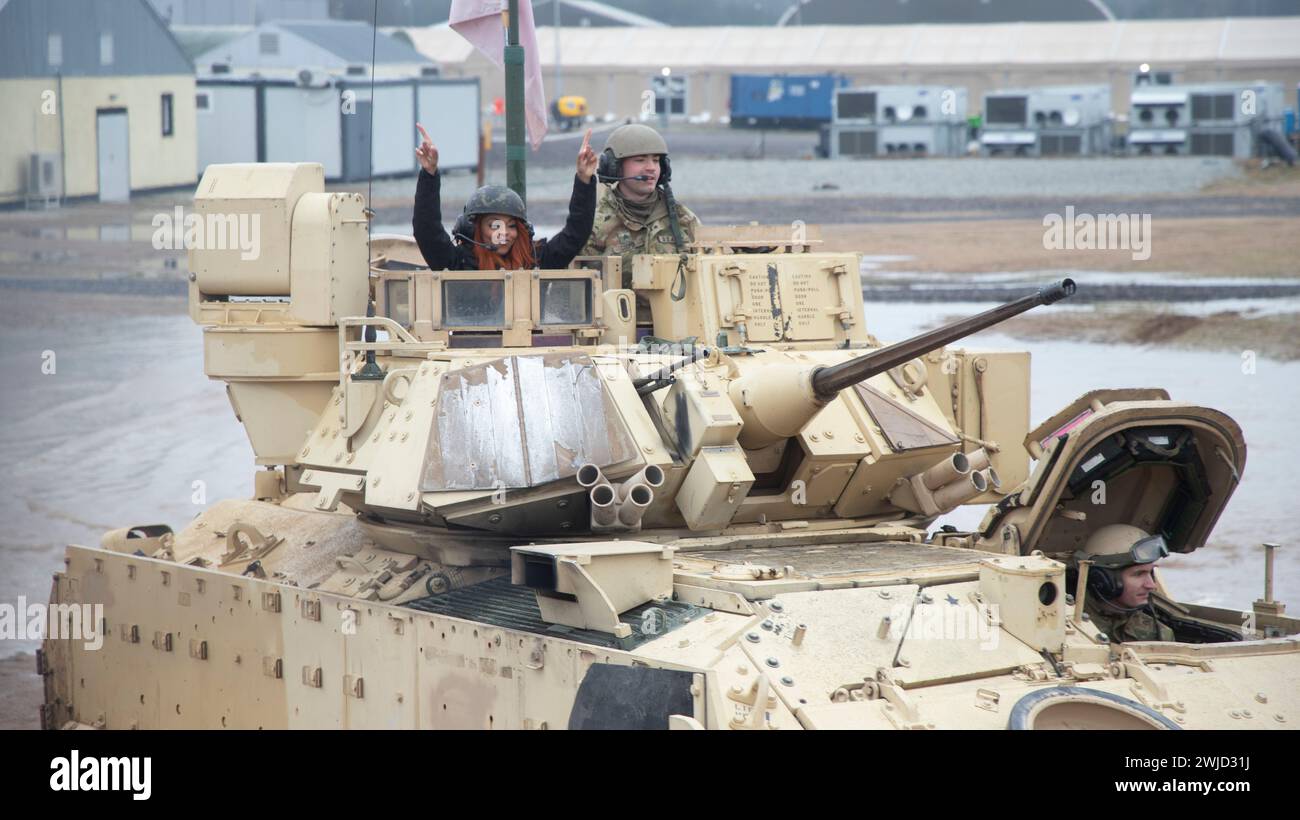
[1144,551]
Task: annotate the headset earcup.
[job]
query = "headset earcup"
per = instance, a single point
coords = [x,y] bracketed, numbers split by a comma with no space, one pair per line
[465,225]
[1104,583]
[608,165]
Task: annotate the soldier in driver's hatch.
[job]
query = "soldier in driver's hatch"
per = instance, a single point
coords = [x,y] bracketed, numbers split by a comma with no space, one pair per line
[1120,582]
[637,209]
[486,233]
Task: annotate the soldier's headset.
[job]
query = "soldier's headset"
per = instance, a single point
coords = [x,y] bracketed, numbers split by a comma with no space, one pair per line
[467,226]
[1102,582]
[610,168]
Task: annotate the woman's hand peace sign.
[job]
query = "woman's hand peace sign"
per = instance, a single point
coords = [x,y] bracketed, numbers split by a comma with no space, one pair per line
[426,154]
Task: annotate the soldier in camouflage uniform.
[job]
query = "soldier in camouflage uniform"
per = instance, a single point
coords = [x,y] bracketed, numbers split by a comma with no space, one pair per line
[632,215]
[1120,583]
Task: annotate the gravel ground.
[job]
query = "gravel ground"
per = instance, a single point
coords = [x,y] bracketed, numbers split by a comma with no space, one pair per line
[947,179]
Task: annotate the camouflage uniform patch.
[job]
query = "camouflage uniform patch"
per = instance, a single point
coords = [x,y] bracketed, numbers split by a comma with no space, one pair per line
[1140,625]
[610,236]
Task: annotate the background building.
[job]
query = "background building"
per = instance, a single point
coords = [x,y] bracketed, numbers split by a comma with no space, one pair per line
[100,92]
[287,47]
[350,128]
[612,67]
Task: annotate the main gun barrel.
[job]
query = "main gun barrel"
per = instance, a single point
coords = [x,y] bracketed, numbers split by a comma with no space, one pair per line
[827,381]
[777,401]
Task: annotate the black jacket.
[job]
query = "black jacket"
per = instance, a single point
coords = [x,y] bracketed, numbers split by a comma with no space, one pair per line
[551,254]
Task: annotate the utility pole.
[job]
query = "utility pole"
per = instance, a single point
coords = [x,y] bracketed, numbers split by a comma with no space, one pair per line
[559,75]
[516,158]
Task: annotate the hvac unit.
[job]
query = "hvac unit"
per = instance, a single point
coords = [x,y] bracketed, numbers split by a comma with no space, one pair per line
[1047,121]
[1006,129]
[44,175]
[898,121]
[44,179]
[1209,119]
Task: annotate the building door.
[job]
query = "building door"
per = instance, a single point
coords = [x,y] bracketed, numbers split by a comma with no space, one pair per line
[356,142]
[114,139]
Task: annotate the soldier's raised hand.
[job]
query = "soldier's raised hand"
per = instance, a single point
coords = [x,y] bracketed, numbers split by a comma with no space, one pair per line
[587,159]
[426,154]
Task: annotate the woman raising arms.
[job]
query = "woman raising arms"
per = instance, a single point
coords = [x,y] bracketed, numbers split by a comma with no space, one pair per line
[493,232]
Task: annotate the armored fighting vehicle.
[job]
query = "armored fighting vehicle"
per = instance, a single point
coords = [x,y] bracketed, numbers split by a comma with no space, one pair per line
[536,499]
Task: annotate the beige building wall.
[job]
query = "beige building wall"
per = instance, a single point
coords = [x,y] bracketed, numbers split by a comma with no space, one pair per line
[156,161]
[27,130]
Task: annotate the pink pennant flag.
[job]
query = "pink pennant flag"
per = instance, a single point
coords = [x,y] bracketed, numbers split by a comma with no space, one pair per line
[480,22]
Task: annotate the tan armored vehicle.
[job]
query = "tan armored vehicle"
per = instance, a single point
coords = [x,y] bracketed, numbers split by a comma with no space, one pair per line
[514,500]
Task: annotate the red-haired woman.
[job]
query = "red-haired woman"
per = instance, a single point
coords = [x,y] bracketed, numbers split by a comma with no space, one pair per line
[493,233]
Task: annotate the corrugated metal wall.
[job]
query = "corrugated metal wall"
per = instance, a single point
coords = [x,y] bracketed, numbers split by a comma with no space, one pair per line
[137,43]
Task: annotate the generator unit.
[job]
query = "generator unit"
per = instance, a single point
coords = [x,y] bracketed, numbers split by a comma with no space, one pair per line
[898,121]
[783,100]
[1211,119]
[1061,120]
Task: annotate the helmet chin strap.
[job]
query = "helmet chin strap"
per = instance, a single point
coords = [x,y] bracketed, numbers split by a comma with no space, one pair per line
[1111,604]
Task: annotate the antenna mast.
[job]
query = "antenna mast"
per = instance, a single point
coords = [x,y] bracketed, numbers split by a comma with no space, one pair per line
[516,158]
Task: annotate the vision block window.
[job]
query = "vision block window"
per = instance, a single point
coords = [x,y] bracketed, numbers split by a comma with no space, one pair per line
[566,301]
[469,303]
[397,296]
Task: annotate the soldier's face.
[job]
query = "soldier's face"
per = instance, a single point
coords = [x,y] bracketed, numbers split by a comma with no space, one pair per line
[1139,582]
[646,165]
[502,232]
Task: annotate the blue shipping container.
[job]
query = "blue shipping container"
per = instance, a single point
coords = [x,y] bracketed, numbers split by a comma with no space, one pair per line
[783,100]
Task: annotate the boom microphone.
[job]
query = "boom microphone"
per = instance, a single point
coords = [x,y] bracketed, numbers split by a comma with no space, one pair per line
[487,245]
[639,177]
